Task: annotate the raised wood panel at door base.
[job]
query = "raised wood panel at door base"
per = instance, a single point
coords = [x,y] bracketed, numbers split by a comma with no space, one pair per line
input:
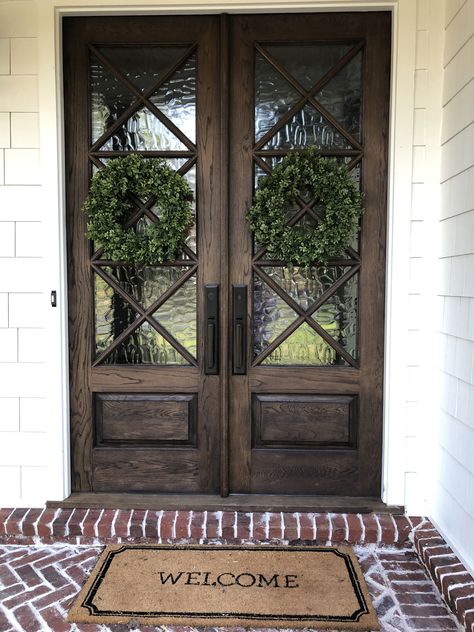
[305,421]
[146,419]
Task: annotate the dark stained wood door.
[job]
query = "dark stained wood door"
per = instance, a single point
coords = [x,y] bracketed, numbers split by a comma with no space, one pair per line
[296,404]
[307,416]
[144,415]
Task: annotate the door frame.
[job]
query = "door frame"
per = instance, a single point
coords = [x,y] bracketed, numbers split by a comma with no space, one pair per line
[50,13]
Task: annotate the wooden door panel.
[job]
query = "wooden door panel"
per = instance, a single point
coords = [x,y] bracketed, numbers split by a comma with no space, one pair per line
[144,415]
[318,80]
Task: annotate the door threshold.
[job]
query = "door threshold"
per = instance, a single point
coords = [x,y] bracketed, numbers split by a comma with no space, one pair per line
[234,502]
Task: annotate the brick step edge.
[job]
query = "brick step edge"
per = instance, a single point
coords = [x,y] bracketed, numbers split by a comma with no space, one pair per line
[101,526]
[451,577]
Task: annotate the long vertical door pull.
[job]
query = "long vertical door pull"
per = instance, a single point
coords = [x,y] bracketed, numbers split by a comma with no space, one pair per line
[239,329]
[211,293]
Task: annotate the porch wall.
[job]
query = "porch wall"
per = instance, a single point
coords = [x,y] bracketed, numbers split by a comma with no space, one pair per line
[23,448]
[29,438]
[454,494]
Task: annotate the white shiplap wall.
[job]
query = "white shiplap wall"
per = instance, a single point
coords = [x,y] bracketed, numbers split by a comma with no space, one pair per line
[23,450]
[454,496]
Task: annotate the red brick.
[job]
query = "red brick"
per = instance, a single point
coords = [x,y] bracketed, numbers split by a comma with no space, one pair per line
[446,575]
[243,522]
[7,577]
[56,595]
[136,523]
[167,524]
[151,525]
[371,528]
[355,528]
[388,528]
[27,619]
[469,621]
[228,522]
[56,621]
[291,527]
[58,526]
[30,520]
[53,577]
[28,575]
[121,523]
[4,513]
[401,566]
[212,525]
[404,528]
[424,610]
[44,528]
[462,591]
[415,598]
[306,524]
[338,528]
[463,605]
[104,528]
[196,525]
[4,623]
[275,531]
[259,526]
[432,624]
[182,525]
[25,596]
[322,528]
[435,562]
[464,578]
[13,522]
[15,589]
[89,523]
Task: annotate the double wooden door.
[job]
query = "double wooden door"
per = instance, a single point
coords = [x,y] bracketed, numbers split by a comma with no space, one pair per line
[225,372]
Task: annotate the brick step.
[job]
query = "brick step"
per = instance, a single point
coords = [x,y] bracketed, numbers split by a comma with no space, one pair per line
[97,526]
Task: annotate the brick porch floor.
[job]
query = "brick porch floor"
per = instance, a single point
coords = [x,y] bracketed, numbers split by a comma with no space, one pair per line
[45,556]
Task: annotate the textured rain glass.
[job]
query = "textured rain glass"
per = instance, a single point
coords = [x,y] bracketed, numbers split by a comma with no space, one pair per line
[176,98]
[112,314]
[274,96]
[308,63]
[109,99]
[338,316]
[308,127]
[145,284]
[305,285]
[143,131]
[341,96]
[145,346]
[143,65]
[304,347]
[271,315]
[178,315]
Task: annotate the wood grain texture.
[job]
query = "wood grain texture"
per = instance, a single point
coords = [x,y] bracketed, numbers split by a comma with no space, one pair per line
[292,421]
[145,419]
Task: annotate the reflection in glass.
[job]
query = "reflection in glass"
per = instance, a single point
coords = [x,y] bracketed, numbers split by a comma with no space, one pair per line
[341,96]
[308,128]
[145,284]
[271,315]
[176,98]
[145,346]
[305,347]
[143,131]
[178,315]
[109,98]
[112,314]
[305,285]
[273,96]
[308,63]
[143,65]
[338,316]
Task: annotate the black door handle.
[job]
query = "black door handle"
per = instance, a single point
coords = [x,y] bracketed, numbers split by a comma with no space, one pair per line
[239,329]
[211,336]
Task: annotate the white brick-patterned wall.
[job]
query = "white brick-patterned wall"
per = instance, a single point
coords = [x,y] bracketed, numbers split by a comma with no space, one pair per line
[454,500]
[23,451]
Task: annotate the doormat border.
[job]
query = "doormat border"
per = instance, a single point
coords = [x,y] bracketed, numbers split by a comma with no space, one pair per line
[105,560]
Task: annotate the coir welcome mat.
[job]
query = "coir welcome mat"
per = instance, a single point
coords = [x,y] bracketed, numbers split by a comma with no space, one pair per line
[253,586]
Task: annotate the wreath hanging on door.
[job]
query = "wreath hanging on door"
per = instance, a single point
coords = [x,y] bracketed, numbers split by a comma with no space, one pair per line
[324,180]
[108,206]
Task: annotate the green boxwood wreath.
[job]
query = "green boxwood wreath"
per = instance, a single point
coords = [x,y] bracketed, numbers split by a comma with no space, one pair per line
[331,185]
[108,206]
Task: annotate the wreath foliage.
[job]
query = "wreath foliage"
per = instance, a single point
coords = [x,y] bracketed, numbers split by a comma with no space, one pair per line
[333,188]
[108,206]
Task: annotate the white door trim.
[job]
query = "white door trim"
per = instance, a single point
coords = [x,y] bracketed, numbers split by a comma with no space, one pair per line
[50,13]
